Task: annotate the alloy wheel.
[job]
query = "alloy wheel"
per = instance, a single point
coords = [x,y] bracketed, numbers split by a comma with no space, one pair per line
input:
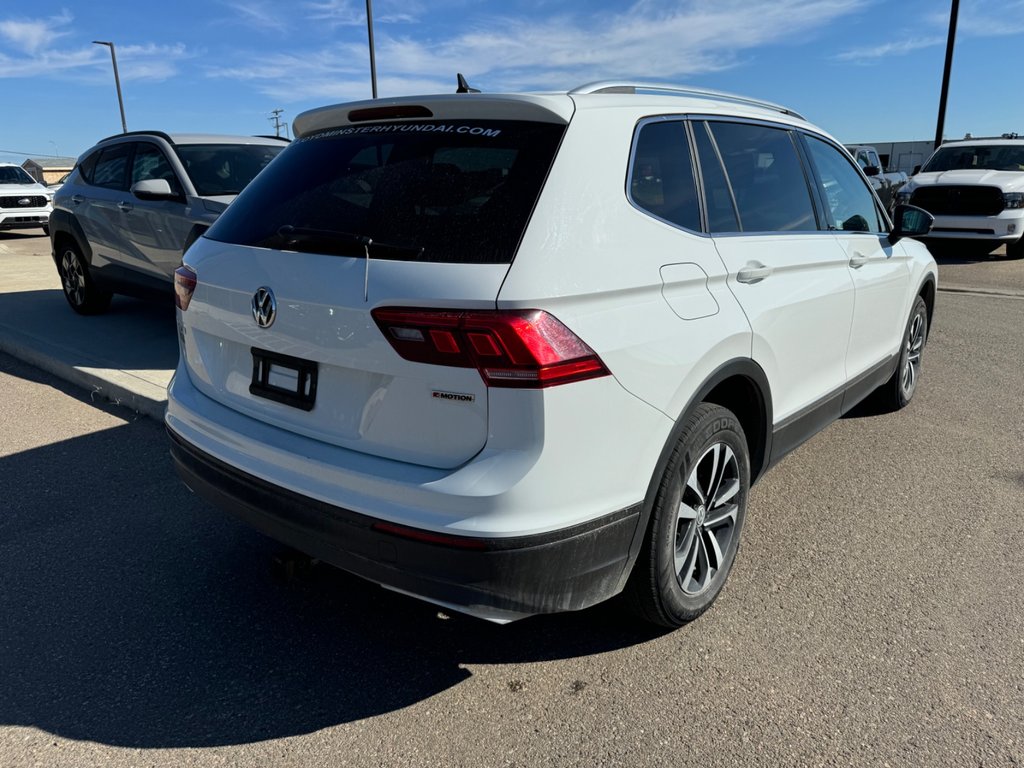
[73,277]
[914,346]
[706,521]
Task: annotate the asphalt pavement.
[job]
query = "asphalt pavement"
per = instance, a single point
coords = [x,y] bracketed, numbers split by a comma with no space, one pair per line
[128,355]
[875,616]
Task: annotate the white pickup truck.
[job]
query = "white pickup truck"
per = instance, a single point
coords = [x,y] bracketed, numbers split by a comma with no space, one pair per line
[975,191]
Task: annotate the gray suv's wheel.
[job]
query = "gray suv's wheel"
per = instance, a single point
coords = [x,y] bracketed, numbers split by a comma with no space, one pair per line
[695,526]
[79,290]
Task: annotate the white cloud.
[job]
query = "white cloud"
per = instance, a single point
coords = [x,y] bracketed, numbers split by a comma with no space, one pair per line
[981,18]
[32,35]
[648,40]
[40,55]
[257,14]
[873,53]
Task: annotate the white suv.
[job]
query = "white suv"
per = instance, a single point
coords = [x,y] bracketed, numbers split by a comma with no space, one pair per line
[24,202]
[514,354]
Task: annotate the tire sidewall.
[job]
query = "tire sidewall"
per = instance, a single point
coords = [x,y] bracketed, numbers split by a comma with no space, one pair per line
[713,425]
[919,308]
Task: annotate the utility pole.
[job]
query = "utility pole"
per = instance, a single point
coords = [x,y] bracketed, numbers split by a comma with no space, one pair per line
[117,81]
[373,58]
[945,72]
[278,125]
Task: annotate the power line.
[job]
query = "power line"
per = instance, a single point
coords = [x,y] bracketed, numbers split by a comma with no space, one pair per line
[29,154]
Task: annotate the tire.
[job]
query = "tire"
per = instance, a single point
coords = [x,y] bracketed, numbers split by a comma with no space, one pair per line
[1015,250]
[79,290]
[691,544]
[46,229]
[899,390]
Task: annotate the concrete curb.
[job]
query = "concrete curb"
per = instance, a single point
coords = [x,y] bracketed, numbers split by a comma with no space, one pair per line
[119,387]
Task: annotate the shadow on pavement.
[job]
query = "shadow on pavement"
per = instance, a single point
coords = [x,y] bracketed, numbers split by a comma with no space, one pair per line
[22,234]
[134,615]
[132,335]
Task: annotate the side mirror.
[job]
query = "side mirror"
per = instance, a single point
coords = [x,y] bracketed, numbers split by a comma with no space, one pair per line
[910,221]
[153,189]
[872,170]
[917,170]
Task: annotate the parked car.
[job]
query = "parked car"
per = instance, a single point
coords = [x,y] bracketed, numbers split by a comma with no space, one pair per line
[515,354]
[975,191]
[136,201]
[24,202]
[58,183]
[886,183]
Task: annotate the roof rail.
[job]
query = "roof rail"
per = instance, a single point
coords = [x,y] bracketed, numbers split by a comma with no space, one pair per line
[619,86]
[161,134]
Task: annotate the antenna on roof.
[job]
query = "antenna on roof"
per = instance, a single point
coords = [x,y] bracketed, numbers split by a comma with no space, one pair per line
[464,86]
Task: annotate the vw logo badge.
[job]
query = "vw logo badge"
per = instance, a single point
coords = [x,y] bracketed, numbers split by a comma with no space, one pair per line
[264,307]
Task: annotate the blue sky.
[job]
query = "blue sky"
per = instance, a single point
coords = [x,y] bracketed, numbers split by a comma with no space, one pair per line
[865,70]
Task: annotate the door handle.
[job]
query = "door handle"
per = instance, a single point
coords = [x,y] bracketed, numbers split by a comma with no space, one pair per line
[76,199]
[753,272]
[858,260]
[125,206]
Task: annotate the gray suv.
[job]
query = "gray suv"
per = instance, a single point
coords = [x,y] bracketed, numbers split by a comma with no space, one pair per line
[134,204]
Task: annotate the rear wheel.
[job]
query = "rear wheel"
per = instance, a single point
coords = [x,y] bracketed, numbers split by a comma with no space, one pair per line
[79,289]
[695,526]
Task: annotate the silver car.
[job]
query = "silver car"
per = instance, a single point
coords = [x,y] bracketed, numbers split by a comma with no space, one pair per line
[135,202]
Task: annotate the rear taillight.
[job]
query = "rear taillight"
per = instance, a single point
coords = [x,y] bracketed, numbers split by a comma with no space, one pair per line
[514,348]
[184,285]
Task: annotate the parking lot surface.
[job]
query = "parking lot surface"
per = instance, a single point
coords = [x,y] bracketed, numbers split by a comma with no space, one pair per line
[875,615]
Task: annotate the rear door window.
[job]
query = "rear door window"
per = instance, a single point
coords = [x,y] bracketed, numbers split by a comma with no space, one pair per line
[767,177]
[430,191]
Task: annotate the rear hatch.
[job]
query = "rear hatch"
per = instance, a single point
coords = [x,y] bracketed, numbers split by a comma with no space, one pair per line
[413,205]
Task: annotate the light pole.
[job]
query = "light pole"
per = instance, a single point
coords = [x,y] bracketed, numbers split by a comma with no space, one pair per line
[373,61]
[117,81]
[945,72]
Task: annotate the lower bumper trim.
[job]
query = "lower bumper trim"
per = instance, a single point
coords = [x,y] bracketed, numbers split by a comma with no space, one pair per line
[500,580]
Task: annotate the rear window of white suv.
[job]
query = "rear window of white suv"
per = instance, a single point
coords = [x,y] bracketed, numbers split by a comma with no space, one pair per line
[444,191]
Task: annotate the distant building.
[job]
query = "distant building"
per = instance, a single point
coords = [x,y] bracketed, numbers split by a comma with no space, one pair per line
[902,155]
[48,170]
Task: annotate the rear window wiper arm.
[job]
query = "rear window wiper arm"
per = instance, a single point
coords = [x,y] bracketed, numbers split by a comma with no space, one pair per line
[293,235]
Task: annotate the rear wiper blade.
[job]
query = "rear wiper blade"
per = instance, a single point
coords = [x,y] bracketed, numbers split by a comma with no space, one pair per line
[293,235]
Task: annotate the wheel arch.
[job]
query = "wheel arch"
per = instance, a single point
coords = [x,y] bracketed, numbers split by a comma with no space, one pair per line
[742,387]
[65,228]
[927,292]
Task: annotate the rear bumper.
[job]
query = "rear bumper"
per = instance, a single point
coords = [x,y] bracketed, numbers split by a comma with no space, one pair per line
[495,578]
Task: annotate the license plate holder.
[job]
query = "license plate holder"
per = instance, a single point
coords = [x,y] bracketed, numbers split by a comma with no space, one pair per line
[284,379]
